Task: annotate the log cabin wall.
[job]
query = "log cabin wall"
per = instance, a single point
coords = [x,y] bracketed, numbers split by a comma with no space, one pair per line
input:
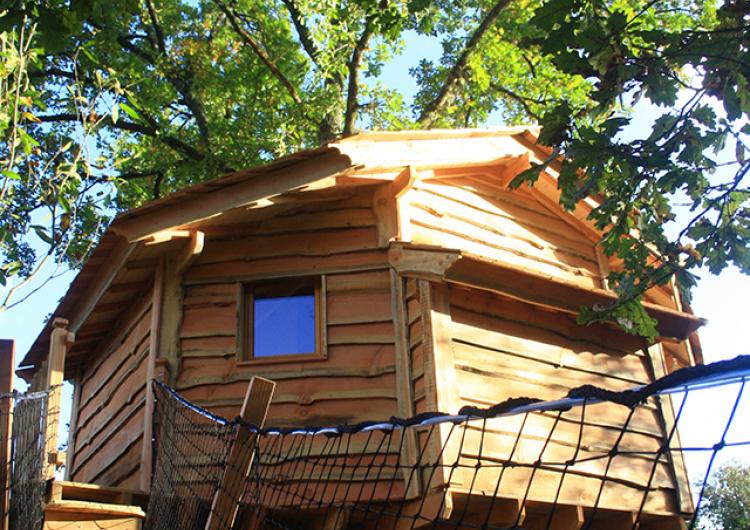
[110,414]
[477,215]
[503,349]
[338,240]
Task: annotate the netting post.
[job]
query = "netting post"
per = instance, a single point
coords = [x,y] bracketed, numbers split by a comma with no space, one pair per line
[7,361]
[229,494]
[59,342]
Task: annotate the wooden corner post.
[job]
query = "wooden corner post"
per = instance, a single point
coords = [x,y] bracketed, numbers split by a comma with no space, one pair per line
[229,494]
[7,362]
[60,340]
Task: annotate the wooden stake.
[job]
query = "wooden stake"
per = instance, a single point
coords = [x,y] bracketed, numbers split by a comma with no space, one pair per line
[60,341]
[227,499]
[7,361]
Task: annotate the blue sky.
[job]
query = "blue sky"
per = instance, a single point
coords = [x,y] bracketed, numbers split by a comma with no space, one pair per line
[722,299]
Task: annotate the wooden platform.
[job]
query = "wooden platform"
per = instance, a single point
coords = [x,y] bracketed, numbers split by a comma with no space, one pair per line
[79,506]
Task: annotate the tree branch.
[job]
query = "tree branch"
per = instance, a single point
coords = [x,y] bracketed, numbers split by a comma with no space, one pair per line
[445,95]
[156,23]
[135,50]
[260,52]
[523,101]
[52,71]
[181,84]
[355,63]
[171,141]
[305,37]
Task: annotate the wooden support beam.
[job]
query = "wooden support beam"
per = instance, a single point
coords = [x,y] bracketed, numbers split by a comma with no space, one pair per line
[70,456]
[404,391]
[174,214]
[191,251]
[674,456]
[153,353]
[60,341]
[7,362]
[513,168]
[226,502]
[440,383]
[166,235]
[391,208]
[107,272]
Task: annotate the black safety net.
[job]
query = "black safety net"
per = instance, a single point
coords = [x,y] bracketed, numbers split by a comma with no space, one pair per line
[26,467]
[592,459]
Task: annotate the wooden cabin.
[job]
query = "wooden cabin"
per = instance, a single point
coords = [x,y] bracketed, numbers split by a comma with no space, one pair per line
[384,274]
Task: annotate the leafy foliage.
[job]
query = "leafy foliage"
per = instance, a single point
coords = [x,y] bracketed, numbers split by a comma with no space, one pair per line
[726,499]
[128,100]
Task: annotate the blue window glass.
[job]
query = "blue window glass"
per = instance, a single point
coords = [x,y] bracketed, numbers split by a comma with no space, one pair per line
[284,319]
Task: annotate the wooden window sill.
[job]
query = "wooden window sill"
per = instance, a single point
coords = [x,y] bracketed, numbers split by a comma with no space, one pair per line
[280,359]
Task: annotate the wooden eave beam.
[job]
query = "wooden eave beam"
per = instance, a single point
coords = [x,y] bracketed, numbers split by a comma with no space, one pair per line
[117,259]
[449,265]
[211,203]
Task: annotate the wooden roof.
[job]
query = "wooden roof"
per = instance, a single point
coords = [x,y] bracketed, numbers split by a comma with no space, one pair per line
[121,267]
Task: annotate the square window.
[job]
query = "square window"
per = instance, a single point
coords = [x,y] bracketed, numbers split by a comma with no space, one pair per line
[281,318]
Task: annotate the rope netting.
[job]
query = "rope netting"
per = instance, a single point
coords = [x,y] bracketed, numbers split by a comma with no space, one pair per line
[593,459]
[30,413]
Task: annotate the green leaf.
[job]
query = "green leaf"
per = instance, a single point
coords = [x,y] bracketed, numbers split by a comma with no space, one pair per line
[130,111]
[43,235]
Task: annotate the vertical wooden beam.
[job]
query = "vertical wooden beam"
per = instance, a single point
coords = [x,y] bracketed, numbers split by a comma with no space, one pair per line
[60,341]
[386,214]
[391,208]
[404,390]
[229,494]
[153,350]
[401,188]
[70,456]
[438,348]
[603,262]
[171,318]
[682,489]
[7,363]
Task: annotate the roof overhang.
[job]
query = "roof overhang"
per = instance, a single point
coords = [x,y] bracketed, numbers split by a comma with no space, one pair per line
[454,266]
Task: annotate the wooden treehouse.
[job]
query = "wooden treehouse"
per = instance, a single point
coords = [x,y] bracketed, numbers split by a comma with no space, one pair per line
[385,274]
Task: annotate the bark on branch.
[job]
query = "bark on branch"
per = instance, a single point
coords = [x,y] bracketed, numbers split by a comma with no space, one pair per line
[355,64]
[304,33]
[446,93]
[171,141]
[259,51]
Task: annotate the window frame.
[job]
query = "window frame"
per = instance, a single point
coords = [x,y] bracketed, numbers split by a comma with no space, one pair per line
[245,322]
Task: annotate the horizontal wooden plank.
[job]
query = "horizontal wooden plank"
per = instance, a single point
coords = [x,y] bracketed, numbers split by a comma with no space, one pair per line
[278,267]
[521,209]
[528,237]
[497,313]
[91,436]
[378,333]
[300,243]
[431,234]
[124,463]
[95,454]
[209,321]
[358,282]
[128,382]
[357,360]
[359,308]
